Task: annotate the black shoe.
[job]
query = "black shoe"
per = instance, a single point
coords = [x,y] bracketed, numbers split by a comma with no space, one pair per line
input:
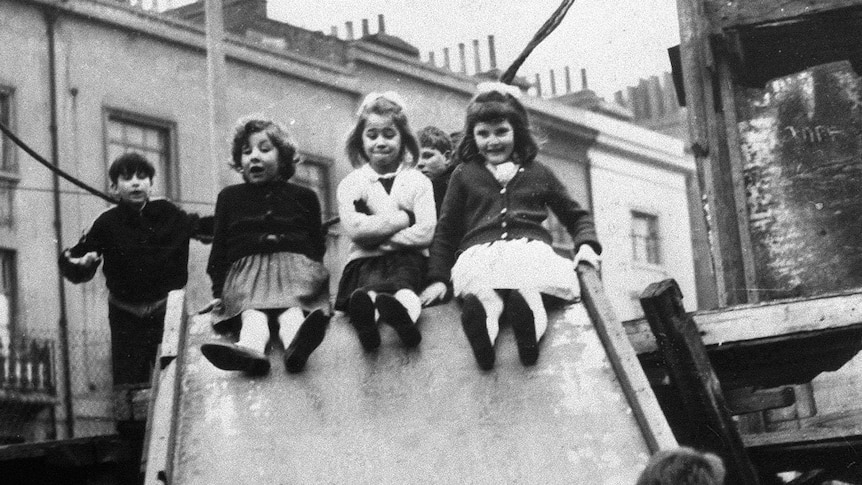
[361,311]
[473,319]
[523,325]
[230,356]
[393,313]
[307,338]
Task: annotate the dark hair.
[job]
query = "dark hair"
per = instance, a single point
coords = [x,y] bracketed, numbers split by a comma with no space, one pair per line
[277,133]
[433,137]
[683,466]
[492,107]
[128,164]
[384,107]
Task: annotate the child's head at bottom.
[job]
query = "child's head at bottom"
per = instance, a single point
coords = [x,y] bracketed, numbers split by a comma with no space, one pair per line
[262,150]
[683,466]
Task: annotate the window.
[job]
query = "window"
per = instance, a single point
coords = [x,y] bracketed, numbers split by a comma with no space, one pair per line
[313,173]
[150,138]
[7,295]
[645,240]
[7,160]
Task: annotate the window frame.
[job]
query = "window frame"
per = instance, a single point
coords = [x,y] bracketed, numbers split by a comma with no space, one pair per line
[13,289]
[170,173]
[654,229]
[9,169]
[325,164]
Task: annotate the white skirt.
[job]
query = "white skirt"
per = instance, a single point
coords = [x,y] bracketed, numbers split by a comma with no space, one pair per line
[515,264]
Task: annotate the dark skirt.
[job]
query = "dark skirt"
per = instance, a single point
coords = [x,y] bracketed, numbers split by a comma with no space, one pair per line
[384,274]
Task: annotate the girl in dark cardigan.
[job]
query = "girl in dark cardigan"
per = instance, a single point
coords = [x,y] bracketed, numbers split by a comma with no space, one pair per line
[266,263]
[491,220]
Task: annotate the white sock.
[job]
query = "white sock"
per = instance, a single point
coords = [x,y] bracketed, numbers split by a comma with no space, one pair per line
[540,316]
[493,305]
[411,302]
[255,330]
[288,324]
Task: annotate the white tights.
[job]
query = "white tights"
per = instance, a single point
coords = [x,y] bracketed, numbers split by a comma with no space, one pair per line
[493,305]
[255,332]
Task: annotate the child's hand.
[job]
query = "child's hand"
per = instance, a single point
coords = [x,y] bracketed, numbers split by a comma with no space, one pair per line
[434,293]
[588,255]
[86,260]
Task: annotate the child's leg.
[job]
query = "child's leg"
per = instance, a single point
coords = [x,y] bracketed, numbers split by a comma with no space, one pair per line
[255,330]
[362,317]
[248,353]
[529,320]
[301,334]
[401,312]
[480,320]
[540,316]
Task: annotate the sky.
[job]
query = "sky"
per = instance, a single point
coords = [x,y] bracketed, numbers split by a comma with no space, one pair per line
[618,42]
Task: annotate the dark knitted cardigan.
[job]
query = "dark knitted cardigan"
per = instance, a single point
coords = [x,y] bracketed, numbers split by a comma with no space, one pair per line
[477,210]
[270,218]
[145,252]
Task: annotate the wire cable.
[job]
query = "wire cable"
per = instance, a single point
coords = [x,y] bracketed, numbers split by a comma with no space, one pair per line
[544,31]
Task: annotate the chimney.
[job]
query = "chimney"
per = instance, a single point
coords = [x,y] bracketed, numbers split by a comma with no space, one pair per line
[333,31]
[492,53]
[365,31]
[446,62]
[568,80]
[348,27]
[463,58]
[553,84]
[381,24]
[584,79]
[476,59]
[538,86]
[431,58]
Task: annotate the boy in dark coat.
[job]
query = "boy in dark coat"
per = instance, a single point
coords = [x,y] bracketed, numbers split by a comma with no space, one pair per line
[435,160]
[145,247]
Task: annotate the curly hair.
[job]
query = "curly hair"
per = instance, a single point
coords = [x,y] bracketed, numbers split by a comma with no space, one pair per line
[384,107]
[492,107]
[277,133]
[683,466]
[433,137]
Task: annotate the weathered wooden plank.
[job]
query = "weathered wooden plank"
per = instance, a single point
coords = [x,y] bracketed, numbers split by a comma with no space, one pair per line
[748,400]
[710,421]
[174,322]
[623,359]
[722,14]
[709,146]
[844,425]
[762,320]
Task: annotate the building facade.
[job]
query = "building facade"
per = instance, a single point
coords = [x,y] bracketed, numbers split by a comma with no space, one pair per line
[84,80]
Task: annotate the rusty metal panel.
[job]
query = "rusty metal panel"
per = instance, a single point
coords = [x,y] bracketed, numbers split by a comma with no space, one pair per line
[802,163]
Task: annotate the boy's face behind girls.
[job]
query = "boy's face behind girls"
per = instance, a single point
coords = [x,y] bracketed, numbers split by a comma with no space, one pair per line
[133,188]
[259,161]
[381,141]
[495,140]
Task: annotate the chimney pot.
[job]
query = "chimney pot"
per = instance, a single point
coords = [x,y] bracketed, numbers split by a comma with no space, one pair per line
[553,83]
[365,31]
[568,80]
[348,27]
[476,59]
[381,24]
[446,63]
[492,53]
[538,85]
[584,79]
[463,57]
[431,59]
[333,31]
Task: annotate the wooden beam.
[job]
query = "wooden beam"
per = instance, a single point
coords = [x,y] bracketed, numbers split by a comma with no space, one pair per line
[747,12]
[685,356]
[762,320]
[748,400]
[642,401]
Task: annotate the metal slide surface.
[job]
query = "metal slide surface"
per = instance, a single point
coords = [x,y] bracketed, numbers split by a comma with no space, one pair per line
[427,415]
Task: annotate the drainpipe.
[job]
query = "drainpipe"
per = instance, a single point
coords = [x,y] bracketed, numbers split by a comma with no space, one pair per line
[50,15]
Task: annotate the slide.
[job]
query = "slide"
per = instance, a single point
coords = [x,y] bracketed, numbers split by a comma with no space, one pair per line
[583,414]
